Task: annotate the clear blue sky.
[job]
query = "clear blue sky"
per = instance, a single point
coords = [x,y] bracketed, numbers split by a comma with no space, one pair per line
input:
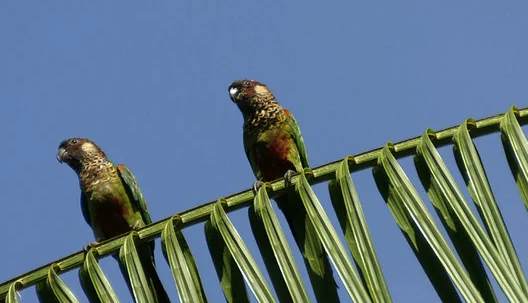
[147,81]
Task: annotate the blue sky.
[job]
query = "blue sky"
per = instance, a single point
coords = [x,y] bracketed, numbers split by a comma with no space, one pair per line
[148,82]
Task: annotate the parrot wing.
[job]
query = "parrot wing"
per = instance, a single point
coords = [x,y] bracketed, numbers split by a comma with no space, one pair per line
[249,142]
[297,138]
[132,187]
[84,208]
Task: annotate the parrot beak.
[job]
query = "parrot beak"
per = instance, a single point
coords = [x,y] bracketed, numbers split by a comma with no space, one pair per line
[233,93]
[61,154]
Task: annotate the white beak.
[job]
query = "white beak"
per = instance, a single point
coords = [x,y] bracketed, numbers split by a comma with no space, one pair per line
[233,91]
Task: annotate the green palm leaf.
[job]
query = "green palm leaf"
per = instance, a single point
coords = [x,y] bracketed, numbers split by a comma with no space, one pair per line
[182,263]
[52,289]
[452,277]
[132,265]
[455,229]
[516,149]
[471,167]
[230,277]
[276,251]
[12,295]
[331,242]
[404,200]
[94,282]
[350,215]
[446,187]
[241,254]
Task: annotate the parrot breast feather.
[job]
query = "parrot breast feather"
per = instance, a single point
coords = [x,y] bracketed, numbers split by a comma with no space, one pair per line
[275,151]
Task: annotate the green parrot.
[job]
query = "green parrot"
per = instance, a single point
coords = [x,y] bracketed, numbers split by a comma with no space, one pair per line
[111,201]
[275,148]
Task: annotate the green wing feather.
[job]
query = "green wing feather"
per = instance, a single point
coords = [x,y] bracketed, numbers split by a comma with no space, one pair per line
[148,262]
[249,141]
[315,258]
[85,210]
[291,127]
[131,185]
[297,138]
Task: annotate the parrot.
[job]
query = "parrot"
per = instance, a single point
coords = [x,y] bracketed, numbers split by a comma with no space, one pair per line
[111,201]
[275,148]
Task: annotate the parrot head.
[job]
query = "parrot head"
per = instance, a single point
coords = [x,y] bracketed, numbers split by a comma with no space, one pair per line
[250,95]
[76,151]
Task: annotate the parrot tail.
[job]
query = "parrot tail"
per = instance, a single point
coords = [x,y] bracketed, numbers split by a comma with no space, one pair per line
[149,267]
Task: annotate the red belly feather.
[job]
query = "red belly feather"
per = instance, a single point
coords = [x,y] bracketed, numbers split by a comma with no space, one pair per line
[272,158]
[110,216]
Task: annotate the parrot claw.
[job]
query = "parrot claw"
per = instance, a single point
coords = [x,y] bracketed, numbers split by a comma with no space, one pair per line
[257,185]
[90,245]
[288,177]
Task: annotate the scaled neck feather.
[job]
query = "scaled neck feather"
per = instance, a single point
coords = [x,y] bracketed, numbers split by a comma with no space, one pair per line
[96,170]
[265,113]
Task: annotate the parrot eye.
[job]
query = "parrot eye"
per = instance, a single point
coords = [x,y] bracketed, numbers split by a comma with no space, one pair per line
[73,142]
[247,83]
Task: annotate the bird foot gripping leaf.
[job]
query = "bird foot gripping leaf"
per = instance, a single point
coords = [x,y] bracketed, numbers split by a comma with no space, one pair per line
[257,185]
[288,177]
[287,181]
[89,246]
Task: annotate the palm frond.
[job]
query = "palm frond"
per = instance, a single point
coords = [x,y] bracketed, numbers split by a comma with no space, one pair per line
[94,282]
[276,252]
[346,204]
[474,236]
